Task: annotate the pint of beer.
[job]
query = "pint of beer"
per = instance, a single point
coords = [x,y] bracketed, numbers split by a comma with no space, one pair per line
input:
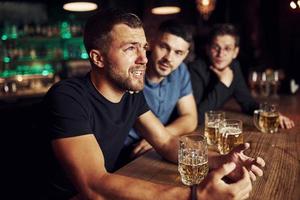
[230,135]
[212,120]
[266,119]
[192,159]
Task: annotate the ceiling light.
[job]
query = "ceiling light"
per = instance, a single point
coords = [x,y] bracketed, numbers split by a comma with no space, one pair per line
[293,5]
[80,6]
[206,7]
[166,10]
[165,7]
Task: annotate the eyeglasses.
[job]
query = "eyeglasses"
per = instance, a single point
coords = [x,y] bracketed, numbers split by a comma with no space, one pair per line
[218,49]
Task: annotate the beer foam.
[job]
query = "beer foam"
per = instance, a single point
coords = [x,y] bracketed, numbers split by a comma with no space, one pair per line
[231,131]
[213,124]
[270,114]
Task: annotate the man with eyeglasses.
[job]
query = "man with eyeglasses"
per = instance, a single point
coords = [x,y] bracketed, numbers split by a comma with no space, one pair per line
[218,77]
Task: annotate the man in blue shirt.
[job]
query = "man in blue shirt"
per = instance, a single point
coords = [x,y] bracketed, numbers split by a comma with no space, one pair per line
[167,85]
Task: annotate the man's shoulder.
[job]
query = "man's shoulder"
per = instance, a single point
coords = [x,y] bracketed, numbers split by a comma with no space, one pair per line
[177,77]
[235,63]
[69,86]
[236,66]
[182,70]
[199,67]
[198,64]
[182,67]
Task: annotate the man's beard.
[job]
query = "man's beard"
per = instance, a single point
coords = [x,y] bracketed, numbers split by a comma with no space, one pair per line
[124,82]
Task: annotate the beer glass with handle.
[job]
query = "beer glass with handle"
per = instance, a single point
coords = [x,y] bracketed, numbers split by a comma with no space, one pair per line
[231,135]
[212,120]
[192,158]
[266,119]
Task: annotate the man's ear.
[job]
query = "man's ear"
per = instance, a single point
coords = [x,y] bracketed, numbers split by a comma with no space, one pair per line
[97,58]
[236,52]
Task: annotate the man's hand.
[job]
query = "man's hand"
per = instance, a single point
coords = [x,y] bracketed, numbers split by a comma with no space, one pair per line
[254,166]
[285,122]
[225,75]
[140,148]
[214,188]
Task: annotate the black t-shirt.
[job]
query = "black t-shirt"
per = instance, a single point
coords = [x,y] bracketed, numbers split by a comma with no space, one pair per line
[74,107]
[211,94]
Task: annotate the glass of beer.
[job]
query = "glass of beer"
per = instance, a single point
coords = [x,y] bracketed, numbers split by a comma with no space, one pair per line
[212,120]
[231,135]
[266,119]
[192,159]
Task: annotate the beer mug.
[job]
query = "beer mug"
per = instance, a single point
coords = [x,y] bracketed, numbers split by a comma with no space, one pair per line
[212,120]
[192,159]
[231,135]
[266,119]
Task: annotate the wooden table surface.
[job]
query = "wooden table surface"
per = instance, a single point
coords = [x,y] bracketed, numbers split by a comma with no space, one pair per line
[281,151]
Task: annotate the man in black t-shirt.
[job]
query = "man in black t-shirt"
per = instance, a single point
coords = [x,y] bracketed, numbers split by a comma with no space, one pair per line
[89,118]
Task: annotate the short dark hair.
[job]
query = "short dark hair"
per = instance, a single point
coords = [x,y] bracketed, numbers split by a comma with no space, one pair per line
[98,27]
[224,29]
[176,28]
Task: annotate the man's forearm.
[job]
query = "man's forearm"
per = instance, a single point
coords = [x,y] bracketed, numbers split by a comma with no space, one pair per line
[170,149]
[113,186]
[182,125]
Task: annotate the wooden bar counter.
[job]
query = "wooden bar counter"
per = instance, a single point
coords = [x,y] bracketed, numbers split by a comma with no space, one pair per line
[281,151]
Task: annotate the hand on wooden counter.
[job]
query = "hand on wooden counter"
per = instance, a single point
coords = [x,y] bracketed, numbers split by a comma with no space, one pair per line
[213,187]
[286,122]
[253,165]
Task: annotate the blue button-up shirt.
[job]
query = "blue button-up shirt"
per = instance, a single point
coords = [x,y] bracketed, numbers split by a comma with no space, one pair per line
[162,97]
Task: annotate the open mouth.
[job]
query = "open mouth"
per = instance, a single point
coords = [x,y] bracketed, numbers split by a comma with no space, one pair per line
[138,73]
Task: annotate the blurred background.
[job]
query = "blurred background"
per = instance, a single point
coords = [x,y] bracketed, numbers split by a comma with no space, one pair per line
[41,43]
